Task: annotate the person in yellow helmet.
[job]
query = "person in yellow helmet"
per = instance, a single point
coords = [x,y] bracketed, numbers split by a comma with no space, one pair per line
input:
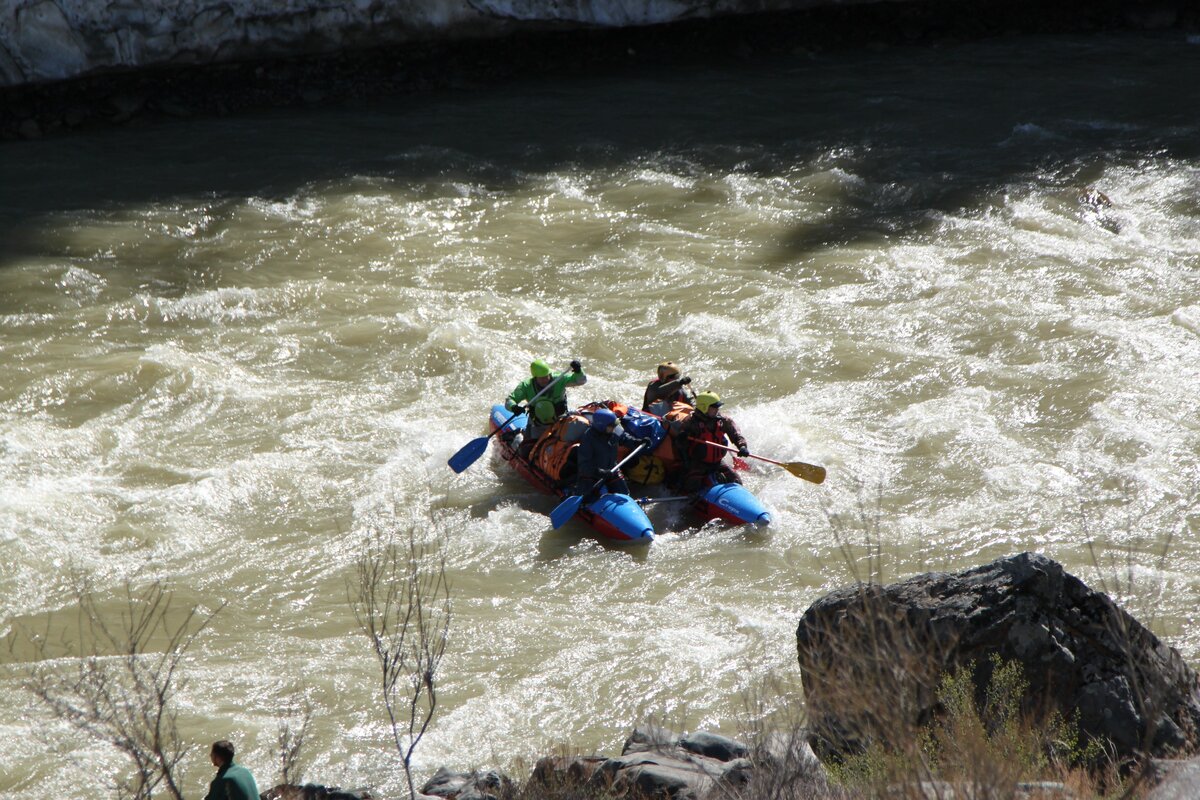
[705,427]
[540,377]
[666,390]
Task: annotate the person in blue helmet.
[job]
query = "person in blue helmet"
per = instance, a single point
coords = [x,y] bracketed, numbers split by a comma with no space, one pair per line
[598,454]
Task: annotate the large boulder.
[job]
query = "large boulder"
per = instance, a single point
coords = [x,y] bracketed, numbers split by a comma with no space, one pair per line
[872,656]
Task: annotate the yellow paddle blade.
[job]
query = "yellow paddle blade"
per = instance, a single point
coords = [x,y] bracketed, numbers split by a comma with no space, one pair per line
[808,472]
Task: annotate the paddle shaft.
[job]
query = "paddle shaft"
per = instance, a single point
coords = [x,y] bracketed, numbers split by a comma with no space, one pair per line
[734,450]
[529,404]
[809,472]
[472,450]
[645,501]
[620,464]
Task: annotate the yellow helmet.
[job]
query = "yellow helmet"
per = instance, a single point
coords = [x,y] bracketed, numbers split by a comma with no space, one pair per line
[707,400]
[539,369]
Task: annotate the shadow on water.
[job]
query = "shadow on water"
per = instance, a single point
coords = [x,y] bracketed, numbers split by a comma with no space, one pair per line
[920,130]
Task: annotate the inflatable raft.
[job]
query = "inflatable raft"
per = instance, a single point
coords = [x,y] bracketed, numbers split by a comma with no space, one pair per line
[614,516]
[618,516]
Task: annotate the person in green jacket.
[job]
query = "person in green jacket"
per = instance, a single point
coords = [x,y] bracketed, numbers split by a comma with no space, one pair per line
[233,781]
[540,378]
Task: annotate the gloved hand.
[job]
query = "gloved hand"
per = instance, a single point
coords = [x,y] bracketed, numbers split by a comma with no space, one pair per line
[743,451]
[606,473]
[518,410]
[685,380]
[576,366]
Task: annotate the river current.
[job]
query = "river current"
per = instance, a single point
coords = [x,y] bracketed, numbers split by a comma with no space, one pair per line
[966,279]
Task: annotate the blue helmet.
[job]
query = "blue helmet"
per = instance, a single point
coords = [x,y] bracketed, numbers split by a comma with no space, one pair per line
[603,419]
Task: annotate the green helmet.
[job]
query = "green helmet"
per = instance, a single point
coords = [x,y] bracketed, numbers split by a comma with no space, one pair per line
[539,369]
[706,400]
[543,411]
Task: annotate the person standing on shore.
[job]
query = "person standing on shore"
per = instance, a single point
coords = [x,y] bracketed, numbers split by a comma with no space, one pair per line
[233,781]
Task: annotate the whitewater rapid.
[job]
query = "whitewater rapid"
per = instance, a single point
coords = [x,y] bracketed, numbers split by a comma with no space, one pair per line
[233,349]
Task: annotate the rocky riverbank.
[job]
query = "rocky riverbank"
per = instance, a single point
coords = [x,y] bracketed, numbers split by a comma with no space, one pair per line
[874,661]
[358,72]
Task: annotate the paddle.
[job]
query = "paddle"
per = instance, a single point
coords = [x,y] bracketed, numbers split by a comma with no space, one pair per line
[645,501]
[469,453]
[569,507]
[808,472]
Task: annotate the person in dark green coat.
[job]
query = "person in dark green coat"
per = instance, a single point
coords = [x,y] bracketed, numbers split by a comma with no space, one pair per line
[540,378]
[233,781]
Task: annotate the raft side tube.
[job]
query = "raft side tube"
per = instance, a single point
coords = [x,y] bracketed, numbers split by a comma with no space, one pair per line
[735,503]
[622,518]
[500,414]
[615,516]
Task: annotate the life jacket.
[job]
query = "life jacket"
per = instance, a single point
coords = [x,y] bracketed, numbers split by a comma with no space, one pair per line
[707,433]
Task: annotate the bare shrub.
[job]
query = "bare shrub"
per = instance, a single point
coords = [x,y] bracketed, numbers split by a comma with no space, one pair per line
[774,724]
[292,734]
[118,677]
[1140,531]
[867,688]
[860,527]
[879,673]
[401,600]
[984,745]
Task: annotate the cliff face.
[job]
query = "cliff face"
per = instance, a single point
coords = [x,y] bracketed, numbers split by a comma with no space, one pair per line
[49,40]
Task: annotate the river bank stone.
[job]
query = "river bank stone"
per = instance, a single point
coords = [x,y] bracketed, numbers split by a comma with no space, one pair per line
[1176,780]
[872,656]
[316,791]
[48,40]
[476,785]
[654,762]
[67,65]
